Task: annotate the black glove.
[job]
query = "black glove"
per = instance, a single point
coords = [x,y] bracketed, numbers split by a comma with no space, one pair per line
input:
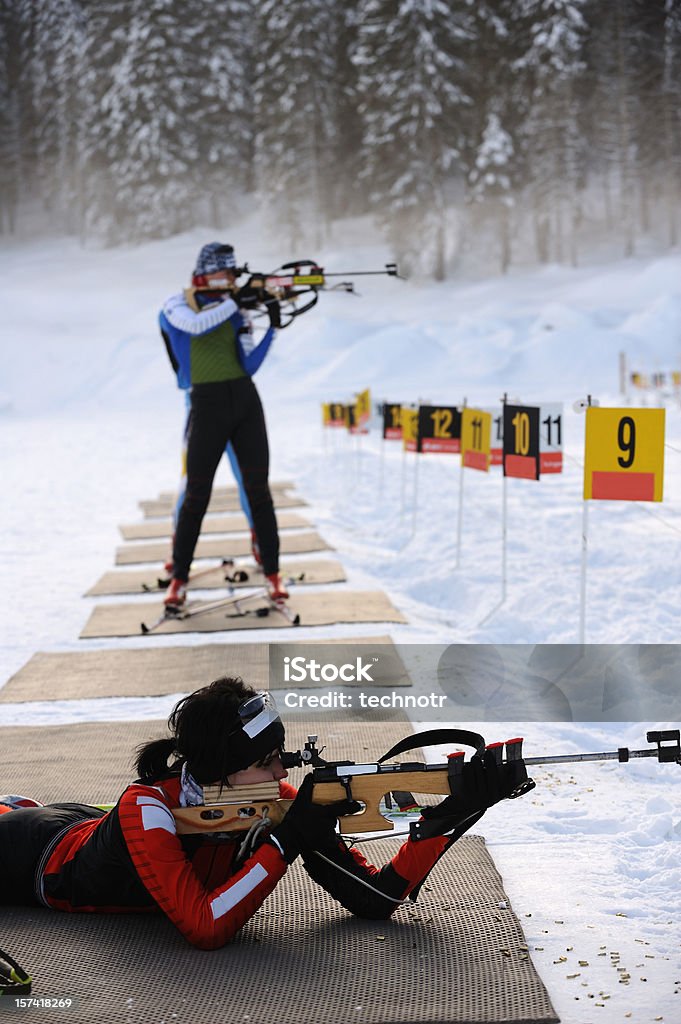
[274,312]
[483,784]
[250,296]
[309,826]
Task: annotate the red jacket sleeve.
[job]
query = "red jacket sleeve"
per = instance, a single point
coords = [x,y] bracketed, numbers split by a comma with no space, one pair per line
[387,885]
[208,918]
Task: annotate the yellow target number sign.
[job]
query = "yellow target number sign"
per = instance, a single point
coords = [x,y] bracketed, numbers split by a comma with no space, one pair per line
[410,428]
[624,454]
[476,435]
[363,407]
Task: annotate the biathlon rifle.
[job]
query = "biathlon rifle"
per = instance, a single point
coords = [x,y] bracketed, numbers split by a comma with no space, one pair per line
[239,808]
[297,281]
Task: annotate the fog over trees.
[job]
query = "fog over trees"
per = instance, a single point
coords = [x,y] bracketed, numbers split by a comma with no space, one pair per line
[476,132]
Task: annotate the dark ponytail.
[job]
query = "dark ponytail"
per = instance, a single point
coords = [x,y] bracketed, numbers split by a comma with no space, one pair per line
[151,762]
[200,725]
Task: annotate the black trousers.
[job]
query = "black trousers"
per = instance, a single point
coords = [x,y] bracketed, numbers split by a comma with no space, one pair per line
[24,835]
[228,411]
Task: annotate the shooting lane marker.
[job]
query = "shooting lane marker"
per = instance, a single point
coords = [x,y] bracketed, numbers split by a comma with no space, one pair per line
[623,461]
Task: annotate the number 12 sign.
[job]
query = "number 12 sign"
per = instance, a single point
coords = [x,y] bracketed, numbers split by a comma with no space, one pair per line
[624,454]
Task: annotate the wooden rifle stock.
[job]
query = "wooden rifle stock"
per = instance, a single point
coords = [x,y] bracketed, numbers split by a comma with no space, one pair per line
[238,808]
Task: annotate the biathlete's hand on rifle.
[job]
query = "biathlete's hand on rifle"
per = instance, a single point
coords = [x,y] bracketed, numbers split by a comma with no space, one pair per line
[483,782]
[274,312]
[248,296]
[309,826]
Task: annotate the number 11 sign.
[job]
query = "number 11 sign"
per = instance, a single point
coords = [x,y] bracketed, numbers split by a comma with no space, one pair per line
[624,454]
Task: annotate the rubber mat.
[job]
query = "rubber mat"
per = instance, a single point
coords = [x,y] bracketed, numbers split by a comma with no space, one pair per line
[229,547]
[161,670]
[321,608]
[235,523]
[92,761]
[218,503]
[139,581]
[455,957]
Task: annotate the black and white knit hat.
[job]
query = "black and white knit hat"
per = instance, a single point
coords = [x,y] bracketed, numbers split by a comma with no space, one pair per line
[213,257]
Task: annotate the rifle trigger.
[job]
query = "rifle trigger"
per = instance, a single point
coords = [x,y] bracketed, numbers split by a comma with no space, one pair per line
[347,786]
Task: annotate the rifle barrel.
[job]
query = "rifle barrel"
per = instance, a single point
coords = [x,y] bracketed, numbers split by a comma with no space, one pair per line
[390,270]
[622,755]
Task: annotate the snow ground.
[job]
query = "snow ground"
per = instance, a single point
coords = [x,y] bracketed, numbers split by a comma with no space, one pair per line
[90,423]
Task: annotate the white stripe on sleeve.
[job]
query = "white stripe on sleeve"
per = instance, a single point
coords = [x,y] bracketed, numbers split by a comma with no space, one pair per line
[155,814]
[221,905]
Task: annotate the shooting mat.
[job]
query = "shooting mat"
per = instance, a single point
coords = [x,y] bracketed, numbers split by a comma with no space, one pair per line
[321,608]
[302,959]
[230,547]
[218,503]
[235,523]
[92,761]
[138,581]
[156,671]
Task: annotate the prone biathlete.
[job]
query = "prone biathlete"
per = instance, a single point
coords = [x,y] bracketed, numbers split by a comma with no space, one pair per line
[209,339]
[80,859]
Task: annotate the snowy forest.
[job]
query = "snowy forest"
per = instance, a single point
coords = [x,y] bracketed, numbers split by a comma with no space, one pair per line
[474,132]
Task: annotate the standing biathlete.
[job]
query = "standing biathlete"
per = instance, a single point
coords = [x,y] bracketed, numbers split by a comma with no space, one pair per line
[77,858]
[229,454]
[211,342]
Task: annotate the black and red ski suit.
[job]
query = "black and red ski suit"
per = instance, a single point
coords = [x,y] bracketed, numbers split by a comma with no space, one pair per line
[77,858]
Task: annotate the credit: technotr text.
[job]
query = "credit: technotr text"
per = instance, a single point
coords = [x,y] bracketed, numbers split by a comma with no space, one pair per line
[337,699]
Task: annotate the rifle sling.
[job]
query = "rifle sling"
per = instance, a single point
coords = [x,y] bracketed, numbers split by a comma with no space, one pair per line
[433,737]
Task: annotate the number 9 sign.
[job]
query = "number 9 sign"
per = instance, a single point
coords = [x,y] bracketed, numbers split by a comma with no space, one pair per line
[624,454]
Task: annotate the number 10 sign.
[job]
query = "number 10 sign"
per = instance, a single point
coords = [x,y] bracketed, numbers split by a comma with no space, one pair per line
[624,454]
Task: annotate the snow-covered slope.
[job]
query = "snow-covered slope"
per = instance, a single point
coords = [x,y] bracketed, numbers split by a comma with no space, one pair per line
[90,422]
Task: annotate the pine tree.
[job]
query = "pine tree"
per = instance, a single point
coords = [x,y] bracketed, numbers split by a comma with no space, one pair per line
[494,155]
[491,183]
[670,119]
[295,113]
[224,76]
[410,67]
[553,61]
[612,112]
[10,118]
[53,69]
[140,137]
[344,198]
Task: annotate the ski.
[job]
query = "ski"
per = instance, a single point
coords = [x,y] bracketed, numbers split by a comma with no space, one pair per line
[273,605]
[283,609]
[238,576]
[193,609]
[162,583]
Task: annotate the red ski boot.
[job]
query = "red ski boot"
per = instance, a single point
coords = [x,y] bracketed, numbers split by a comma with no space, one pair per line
[276,589]
[176,595]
